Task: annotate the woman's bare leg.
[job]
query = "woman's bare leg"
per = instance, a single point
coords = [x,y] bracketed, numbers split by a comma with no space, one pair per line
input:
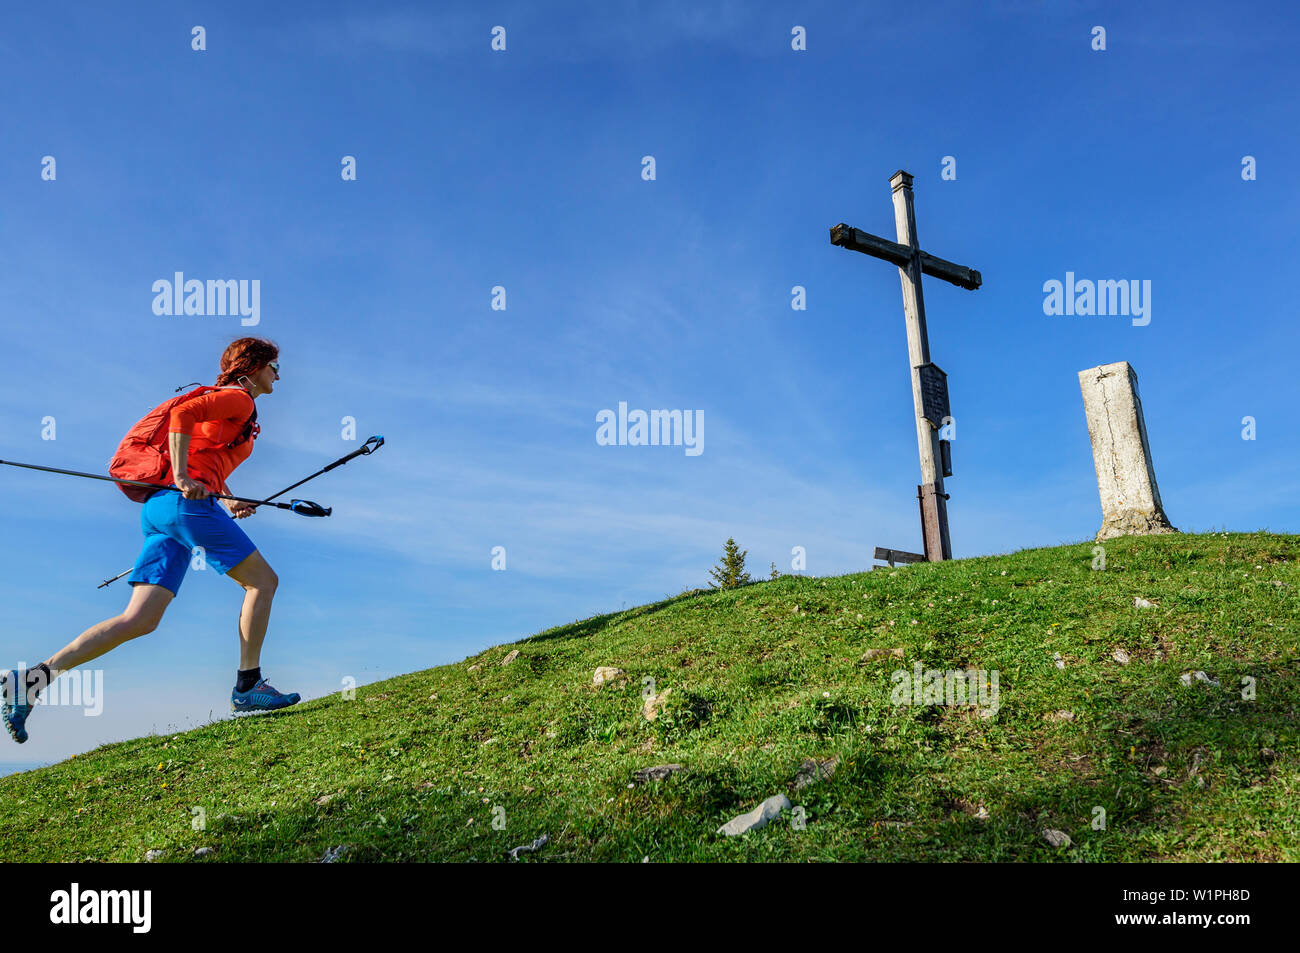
[141,616]
[259,581]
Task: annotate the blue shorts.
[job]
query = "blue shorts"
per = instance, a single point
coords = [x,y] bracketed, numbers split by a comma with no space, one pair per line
[173,526]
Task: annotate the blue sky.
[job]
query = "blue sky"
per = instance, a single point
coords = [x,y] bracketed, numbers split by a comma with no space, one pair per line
[522,169]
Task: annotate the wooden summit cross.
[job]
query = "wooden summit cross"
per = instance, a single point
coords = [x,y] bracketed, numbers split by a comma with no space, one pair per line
[929,383]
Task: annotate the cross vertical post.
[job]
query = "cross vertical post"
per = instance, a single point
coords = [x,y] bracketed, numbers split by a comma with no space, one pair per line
[934,502]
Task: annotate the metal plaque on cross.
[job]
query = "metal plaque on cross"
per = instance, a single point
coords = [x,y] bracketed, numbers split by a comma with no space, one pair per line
[934,393]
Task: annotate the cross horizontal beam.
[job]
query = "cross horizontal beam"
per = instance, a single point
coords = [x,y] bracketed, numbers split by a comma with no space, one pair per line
[855,239]
[892,556]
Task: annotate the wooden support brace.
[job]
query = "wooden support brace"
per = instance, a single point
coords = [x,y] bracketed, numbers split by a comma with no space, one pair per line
[934,522]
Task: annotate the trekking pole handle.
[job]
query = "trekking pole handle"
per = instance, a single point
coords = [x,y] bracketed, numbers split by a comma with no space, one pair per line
[367,448]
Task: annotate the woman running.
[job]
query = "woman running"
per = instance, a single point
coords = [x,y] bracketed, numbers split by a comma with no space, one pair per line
[208,436]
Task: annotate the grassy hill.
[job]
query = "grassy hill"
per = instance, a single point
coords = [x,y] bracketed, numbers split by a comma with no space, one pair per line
[763,678]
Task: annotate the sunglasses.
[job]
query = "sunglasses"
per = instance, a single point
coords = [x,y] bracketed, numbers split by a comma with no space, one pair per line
[274,365]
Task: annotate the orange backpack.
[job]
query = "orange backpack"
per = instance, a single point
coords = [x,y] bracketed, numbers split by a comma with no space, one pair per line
[143,453]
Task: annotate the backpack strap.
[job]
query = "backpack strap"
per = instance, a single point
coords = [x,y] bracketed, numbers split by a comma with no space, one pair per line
[251,428]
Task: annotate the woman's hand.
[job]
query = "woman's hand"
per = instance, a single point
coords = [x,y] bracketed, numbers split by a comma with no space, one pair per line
[192,489]
[241,510]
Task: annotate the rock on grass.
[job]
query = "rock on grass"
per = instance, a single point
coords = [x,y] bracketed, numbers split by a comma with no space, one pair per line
[657,773]
[813,770]
[535,846]
[654,704]
[756,818]
[1057,838]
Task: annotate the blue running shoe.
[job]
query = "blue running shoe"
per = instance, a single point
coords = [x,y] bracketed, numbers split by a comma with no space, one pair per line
[262,697]
[13,714]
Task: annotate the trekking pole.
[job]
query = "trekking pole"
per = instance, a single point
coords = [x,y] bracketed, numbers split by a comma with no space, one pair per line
[367,448]
[301,507]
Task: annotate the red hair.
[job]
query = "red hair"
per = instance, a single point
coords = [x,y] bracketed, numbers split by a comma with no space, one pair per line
[245,356]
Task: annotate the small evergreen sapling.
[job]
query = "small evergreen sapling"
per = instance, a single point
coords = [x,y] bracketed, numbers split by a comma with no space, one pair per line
[730,571]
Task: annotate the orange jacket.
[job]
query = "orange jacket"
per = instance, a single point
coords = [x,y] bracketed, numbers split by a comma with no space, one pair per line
[213,421]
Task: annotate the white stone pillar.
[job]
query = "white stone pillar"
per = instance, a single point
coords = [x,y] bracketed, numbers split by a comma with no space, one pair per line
[1126,479]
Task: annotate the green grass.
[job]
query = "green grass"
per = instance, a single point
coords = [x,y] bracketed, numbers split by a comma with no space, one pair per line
[418,767]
